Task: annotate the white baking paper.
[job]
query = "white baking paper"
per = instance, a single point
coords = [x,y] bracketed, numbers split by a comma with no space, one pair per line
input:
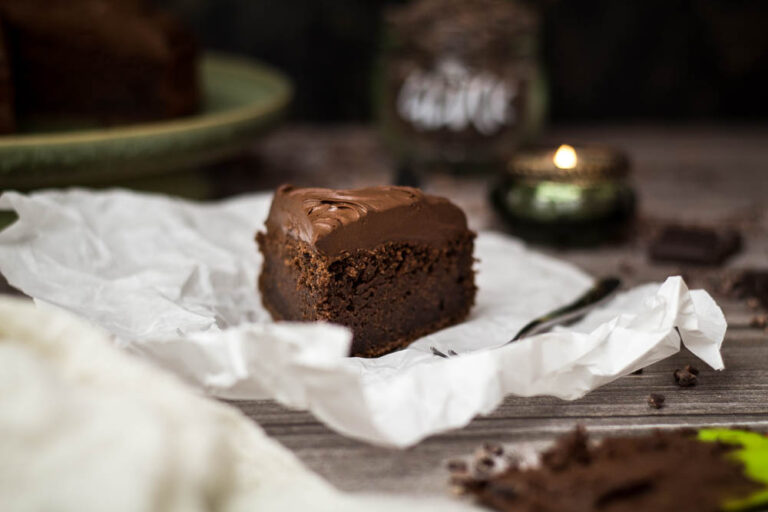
[175,281]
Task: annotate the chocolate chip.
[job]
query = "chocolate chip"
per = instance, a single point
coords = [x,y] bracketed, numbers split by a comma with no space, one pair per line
[656,401]
[685,378]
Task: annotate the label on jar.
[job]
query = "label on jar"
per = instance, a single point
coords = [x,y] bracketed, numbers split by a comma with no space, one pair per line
[455,97]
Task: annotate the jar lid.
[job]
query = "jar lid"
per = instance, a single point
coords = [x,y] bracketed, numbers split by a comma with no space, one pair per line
[568,163]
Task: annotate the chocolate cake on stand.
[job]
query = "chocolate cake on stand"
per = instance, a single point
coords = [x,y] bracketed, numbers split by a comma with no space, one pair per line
[103,61]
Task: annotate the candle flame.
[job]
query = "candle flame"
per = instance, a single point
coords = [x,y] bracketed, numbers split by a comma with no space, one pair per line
[565,157]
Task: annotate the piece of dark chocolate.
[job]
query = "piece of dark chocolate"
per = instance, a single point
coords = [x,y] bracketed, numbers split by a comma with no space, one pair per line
[696,245]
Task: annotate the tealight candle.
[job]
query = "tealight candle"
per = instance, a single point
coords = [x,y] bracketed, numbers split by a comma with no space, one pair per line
[566,195]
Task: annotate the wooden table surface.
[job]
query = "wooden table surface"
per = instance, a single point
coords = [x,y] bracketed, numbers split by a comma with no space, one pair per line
[704,175]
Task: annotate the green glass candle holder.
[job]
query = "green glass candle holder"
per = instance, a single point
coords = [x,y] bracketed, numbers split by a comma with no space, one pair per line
[566,197]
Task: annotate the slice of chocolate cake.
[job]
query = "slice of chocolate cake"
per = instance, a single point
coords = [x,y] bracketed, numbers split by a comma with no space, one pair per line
[391,263]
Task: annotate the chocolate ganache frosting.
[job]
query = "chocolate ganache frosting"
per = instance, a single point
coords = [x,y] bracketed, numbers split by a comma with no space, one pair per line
[338,221]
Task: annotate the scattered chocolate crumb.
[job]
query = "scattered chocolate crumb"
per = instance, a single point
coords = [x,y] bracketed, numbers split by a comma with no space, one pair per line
[485,463]
[458,466]
[685,378]
[638,372]
[656,400]
[753,303]
[691,369]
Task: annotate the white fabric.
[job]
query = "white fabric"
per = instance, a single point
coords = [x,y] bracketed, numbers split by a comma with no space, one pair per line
[87,428]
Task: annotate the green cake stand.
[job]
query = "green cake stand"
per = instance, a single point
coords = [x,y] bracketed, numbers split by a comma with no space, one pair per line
[242,98]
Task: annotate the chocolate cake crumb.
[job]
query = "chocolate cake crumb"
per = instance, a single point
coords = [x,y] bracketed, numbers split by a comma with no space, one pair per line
[691,369]
[458,466]
[485,463]
[656,400]
[666,471]
[638,372]
[686,378]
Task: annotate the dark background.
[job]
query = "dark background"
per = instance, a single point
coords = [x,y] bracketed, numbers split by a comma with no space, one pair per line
[689,60]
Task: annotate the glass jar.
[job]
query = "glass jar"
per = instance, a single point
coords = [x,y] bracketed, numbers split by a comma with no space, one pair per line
[460,85]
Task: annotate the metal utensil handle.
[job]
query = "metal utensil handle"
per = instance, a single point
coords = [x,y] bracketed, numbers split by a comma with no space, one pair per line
[595,296]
